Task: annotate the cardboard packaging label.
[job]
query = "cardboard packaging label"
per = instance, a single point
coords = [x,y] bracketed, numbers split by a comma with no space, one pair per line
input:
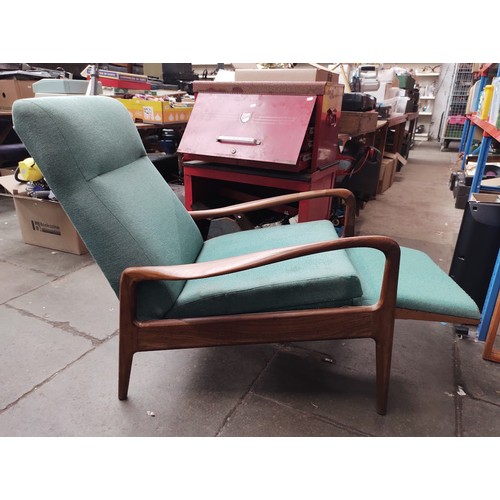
[42,222]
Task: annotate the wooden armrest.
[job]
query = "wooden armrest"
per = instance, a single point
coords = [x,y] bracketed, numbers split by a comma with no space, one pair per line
[250,206]
[133,275]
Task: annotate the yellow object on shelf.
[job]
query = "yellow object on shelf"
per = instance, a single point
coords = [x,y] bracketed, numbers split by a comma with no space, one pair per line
[495,102]
[29,170]
[485,104]
[156,111]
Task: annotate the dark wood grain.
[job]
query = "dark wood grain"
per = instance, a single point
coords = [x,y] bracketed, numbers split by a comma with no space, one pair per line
[489,353]
[375,322]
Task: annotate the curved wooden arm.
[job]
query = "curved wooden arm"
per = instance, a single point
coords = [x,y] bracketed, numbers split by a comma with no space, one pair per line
[132,275]
[250,206]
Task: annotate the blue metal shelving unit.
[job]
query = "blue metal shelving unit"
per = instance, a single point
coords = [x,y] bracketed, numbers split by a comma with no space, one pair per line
[489,132]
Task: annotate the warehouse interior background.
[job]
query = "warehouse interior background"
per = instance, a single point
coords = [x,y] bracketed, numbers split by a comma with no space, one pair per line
[250,467]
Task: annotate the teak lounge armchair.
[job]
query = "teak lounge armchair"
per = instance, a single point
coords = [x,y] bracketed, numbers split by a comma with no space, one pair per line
[288,283]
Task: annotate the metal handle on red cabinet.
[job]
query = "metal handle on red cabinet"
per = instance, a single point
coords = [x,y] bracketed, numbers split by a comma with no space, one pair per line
[238,140]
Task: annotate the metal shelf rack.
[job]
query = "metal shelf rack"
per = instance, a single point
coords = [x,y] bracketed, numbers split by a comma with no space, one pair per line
[455,116]
[490,132]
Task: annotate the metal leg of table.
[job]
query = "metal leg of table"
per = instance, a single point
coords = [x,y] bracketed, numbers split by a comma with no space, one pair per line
[465,133]
[481,164]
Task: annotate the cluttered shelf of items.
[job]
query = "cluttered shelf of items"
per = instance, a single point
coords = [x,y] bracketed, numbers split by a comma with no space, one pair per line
[480,136]
[159,110]
[476,188]
[382,113]
[243,133]
[362,144]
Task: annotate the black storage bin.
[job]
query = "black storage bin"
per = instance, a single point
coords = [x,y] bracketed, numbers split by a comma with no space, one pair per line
[358,101]
[477,247]
[364,176]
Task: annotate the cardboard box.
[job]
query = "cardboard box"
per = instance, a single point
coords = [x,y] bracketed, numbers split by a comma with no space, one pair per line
[7,171]
[357,123]
[286,75]
[394,169]
[134,107]
[157,111]
[397,157]
[387,173]
[43,223]
[485,198]
[11,90]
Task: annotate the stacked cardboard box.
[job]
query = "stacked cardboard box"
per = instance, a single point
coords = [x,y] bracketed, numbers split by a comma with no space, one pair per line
[286,75]
[388,169]
[150,111]
[11,90]
[43,223]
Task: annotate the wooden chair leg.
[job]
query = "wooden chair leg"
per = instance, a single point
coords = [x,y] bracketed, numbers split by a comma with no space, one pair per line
[383,362]
[124,368]
[128,335]
[489,353]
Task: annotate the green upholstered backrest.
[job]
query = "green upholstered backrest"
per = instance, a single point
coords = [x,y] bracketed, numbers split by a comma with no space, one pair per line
[93,159]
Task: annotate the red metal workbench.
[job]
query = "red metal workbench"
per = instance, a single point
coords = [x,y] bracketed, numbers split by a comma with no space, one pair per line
[248,140]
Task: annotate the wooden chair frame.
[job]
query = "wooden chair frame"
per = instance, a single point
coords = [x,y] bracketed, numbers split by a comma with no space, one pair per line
[489,352]
[375,321]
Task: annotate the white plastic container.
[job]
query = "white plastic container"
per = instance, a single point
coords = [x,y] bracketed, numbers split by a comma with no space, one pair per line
[52,86]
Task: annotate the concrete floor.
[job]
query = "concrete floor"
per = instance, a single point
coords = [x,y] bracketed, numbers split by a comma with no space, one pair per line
[58,356]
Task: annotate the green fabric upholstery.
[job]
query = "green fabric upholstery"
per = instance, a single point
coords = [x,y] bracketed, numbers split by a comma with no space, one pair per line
[93,159]
[324,280]
[312,281]
[422,285]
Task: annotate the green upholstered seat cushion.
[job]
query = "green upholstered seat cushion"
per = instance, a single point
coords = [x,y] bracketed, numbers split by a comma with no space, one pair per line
[312,281]
[92,157]
[422,285]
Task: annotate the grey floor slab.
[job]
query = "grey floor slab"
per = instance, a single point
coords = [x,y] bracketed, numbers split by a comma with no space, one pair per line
[337,381]
[480,379]
[44,260]
[17,281]
[32,351]
[82,299]
[9,225]
[418,204]
[259,417]
[190,393]
[6,205]
[480,419]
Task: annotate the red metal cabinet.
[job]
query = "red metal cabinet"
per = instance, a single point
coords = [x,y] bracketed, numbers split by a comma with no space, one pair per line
[274,134]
